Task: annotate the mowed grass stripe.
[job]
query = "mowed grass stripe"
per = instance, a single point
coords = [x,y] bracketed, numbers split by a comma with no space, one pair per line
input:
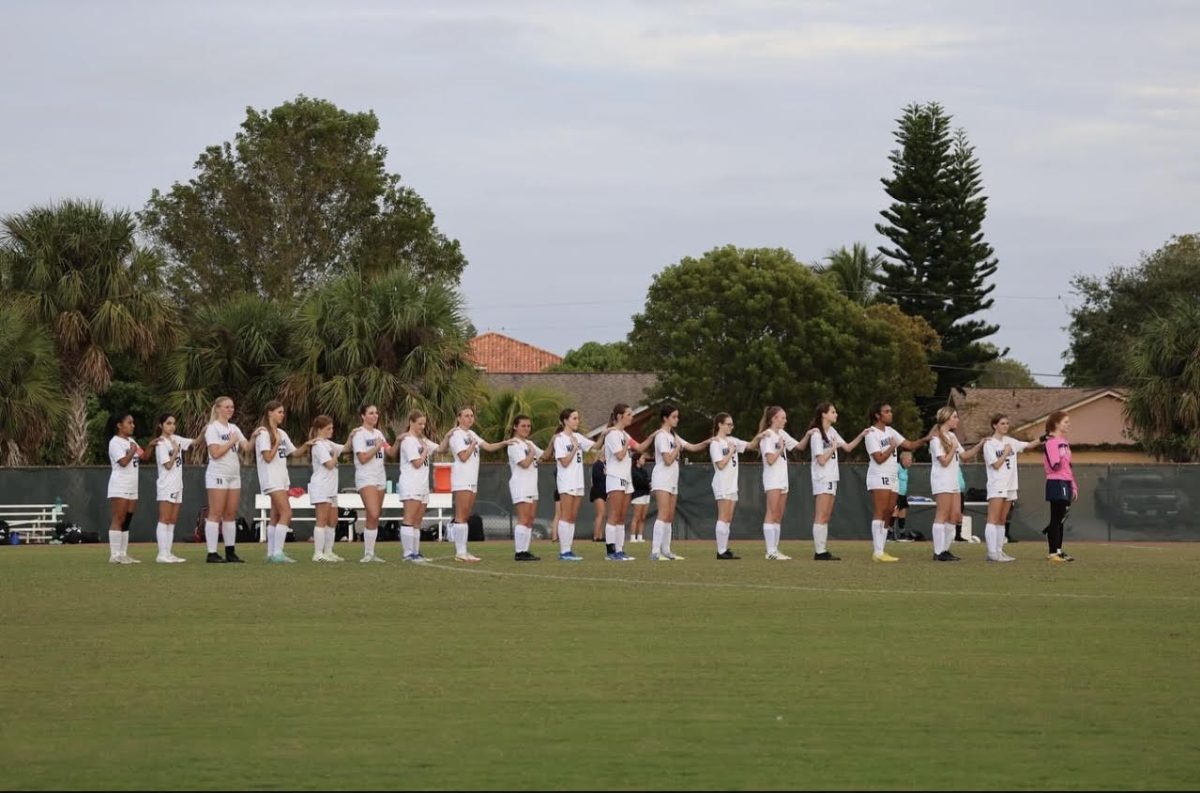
[785,675]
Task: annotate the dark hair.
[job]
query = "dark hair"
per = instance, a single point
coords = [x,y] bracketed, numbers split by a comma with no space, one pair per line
[768,413]
[876,412]
[563,415]
[996,419]
[1054,419]
[617,411]
[718,420]
[666,411]
[512,431]
[319,423]
[266,421]
[117,418]
[365,406]
[162,419]
[819,425]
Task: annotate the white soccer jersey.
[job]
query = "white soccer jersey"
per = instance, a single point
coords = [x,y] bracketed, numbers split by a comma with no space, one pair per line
[944,478]
[124,478]
[272,475]
[664,476]
[523,483]
[828,472]
[725,480]
[621,469]
[570,476]
[170,480]
[775,475]
[228,465]
[324,481]
[1004,479]
[414,481]
[372,471]
[876,441]
[464,475]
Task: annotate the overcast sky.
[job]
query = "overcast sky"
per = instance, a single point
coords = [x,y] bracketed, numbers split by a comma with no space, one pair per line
[577,148]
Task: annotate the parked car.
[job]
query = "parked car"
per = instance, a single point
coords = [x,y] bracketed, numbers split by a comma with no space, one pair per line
[1141,496]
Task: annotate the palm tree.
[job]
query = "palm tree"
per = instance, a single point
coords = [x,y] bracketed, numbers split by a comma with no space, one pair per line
[81,269]
[1164,368]
[496,411]
[31,405]
[392,341]
[854,272]
[232,349]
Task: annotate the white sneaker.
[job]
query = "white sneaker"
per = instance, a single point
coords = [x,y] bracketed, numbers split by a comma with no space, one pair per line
[366,558]
[333,557]
[1006,558]
[115,559]
[377,559]
[173,559]
[160,559]
[779,557]
[319,557]
[127,559]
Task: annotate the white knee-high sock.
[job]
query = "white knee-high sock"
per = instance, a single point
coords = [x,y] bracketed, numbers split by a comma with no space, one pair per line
[939,538]
[666,537]
[170,538]
[281,533]
[989,536]
[657,538]
[124,543]
[610,534]
[722,536]
[318,541]
[416,541]
[369,537]
[620,541]
[767,537]
[566,535]
[330,536]
[776,536]
[521,537]
[270,540]
[820,537]
[406,538]
[878,536]
[160,532]
[114,543]
[229,533]
[212,533]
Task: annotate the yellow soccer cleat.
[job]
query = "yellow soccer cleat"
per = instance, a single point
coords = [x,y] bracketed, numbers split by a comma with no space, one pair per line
[884,557]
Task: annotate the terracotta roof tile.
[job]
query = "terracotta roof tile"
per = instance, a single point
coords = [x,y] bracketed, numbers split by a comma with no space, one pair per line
[495,352]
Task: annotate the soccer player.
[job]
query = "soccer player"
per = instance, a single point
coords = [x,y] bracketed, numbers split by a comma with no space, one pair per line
[618,480]
[999,457]
[323,486]
[724,451]
[464,445]
[413,483]
[567,447]
[223,480]
[824,444]
[1061,487]
[774,444]
[124,454]
[369,448]
[883,443]
[664,480]
[272,445]
[945,481]
[523,457]
[168,454]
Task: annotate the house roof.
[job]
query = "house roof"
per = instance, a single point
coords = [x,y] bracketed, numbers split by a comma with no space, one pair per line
[495,352]
[1026,407]
[593,394]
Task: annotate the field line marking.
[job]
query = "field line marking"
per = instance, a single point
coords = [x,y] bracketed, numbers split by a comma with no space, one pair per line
[435,563]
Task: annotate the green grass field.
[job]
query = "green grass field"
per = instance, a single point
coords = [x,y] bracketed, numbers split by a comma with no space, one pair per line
[696,674]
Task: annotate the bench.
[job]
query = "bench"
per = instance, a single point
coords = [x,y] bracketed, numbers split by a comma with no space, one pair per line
[33,522]
[441,509]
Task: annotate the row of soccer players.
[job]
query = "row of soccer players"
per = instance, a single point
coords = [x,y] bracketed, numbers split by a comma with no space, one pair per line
[369,448]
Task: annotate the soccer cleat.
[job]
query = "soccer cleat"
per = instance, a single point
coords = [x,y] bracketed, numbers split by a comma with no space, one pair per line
[173,559]
[526,556]
[115,559]
[624,557]
[727,554]
[612,557]
[232,557]
[281,558]
[319,557]
[826,556]
[776,556]
[569,556]
[674,557]
[952,558]
[1006,558]
[466,558]
[658,557]
[215,558]
[127,559]
[333,557]
[990,558]
[1056,558]
[883,557]
[160,559]
[1066,557]
[370,558]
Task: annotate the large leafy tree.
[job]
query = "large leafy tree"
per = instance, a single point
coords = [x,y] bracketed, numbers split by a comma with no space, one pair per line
[395,341]
[1115,307]
[938,264]
[1163,367]
[595,356]
[1005,373]
[31,403]
[299,196]
[854,272]
[739,329]
[80,269]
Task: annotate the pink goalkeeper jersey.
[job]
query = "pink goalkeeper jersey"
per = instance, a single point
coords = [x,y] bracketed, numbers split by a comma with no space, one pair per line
[1057,461]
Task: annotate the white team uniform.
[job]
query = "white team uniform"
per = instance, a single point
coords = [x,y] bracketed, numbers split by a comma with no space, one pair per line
[825,477]
[883,476]
[123,481]
[323,485]
[414,482]
[273,475]
[618,474]
[944,478]
[464,475]
[570,477]
[169,485]
[665,477]
[372,472]
[223,473]
[725,480]
[1002,483]
[775,475]
[523,484]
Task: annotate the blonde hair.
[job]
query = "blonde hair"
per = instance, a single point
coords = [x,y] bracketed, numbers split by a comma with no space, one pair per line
[944,414]
[769,413]
[212,413]
[319,423]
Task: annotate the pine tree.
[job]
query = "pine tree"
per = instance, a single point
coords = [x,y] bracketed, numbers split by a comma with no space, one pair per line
[938,263]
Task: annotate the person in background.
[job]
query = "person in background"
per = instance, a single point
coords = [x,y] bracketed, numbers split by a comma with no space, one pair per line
[899,531]
[597,496]
[1061,488]
[641,498]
